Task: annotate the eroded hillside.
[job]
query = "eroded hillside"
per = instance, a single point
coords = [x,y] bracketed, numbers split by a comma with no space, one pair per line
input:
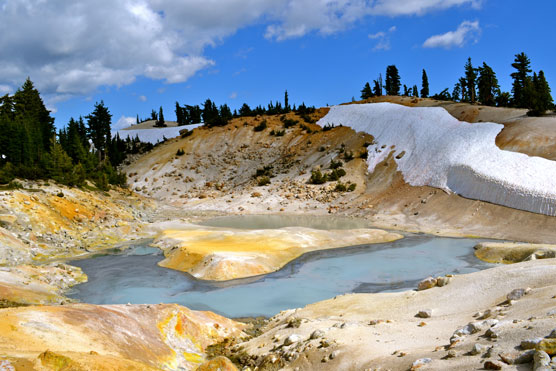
[218,168]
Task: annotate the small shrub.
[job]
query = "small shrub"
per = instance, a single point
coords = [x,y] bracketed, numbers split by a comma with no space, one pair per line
[180,152]
[265,171]
[278,133]
[335,164]
[317,177]
[340,187]
[351,187]
[322,149]
[307,118]
[263,180]
[364,154]
[261,126]
[306,128]
[336,174]
[328,127]
[288,123]
[185,133]
[348,156]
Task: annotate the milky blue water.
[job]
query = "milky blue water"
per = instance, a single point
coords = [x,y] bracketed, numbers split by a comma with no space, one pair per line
[132,276]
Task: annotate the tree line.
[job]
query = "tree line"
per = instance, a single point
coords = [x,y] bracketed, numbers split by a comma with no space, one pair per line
[83,150]
[477,85]
[212,115]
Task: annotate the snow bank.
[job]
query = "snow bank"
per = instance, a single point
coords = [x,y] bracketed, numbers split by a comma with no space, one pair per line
[155,134]
[457,156]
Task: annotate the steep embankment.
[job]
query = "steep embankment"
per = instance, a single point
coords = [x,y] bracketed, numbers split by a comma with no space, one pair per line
[432,148]
[217,172]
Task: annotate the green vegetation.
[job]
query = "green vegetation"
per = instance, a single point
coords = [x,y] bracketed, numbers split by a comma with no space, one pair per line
[317,177]
[288,123]
[180,152]
[278,133]
[81,151]
[263,180]
[265,171]
[479,85]
[261,126]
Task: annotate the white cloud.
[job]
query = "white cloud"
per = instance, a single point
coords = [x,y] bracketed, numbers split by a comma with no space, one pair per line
[233,95]
[124,122]
[467,31]
[142,98]
[417,7]
[71,48]
[383,39]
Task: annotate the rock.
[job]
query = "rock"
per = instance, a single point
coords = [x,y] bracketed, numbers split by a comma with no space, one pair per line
[516,294]
[8,219]
[425,313]
[426,284]
[477,349]
[292,339]
[530,343]
[541,361]
[420,363]
[493,365]
[451,354]
[552,334]
[491,333]
[517,358]
[334,354]
[548,346]
[218,364]
[316,334]
[442,281]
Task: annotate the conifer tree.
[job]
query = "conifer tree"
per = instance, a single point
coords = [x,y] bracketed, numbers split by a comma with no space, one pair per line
[470,82]
[521,79]
[487,84]
[160,122]
[99,122]
[456,93]
[405,90]
[424,84]
[287,107]
[415,91]
[366,92]
[377,88]
[392,80]
[543,90]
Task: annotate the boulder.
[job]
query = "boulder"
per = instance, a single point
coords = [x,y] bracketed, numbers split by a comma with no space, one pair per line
[218,364]
[427,283]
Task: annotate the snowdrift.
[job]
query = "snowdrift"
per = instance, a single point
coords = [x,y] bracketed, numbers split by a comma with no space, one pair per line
[155,134]
[432,148]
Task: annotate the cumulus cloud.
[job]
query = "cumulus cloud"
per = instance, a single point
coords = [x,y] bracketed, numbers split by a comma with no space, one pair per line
[142,98]
[383,39]
[467,31]
[71,48]
[124,122]
[233,95]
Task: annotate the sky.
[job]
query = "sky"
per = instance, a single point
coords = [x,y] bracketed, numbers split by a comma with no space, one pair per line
[139,55]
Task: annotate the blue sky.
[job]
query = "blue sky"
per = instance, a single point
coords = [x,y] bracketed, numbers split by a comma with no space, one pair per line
[137,55]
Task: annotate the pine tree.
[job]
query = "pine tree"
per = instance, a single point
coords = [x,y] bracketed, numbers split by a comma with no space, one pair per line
[487,84]
[470,81]
[543,91]
[392,80]
[98,123]
[366,92]
[160,123]
[463,86]
[245,110]
[405,90]
[179,114]
[424,85]
[415,92]
[287,107]
[521,79]
[456,93]
[377,88]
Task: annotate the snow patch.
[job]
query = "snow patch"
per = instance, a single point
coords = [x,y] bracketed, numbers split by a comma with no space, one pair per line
[155,134]
[443,152]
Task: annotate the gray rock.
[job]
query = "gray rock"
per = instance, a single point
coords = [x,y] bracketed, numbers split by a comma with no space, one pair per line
[317,334]
[530,343]
[491,333]
[541,361]
[477,349]
[426,284]
[293,338]
[517,358]
[552,334]
[442,281]
[516,294]
[425,313]
[334,354]
[420,363]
